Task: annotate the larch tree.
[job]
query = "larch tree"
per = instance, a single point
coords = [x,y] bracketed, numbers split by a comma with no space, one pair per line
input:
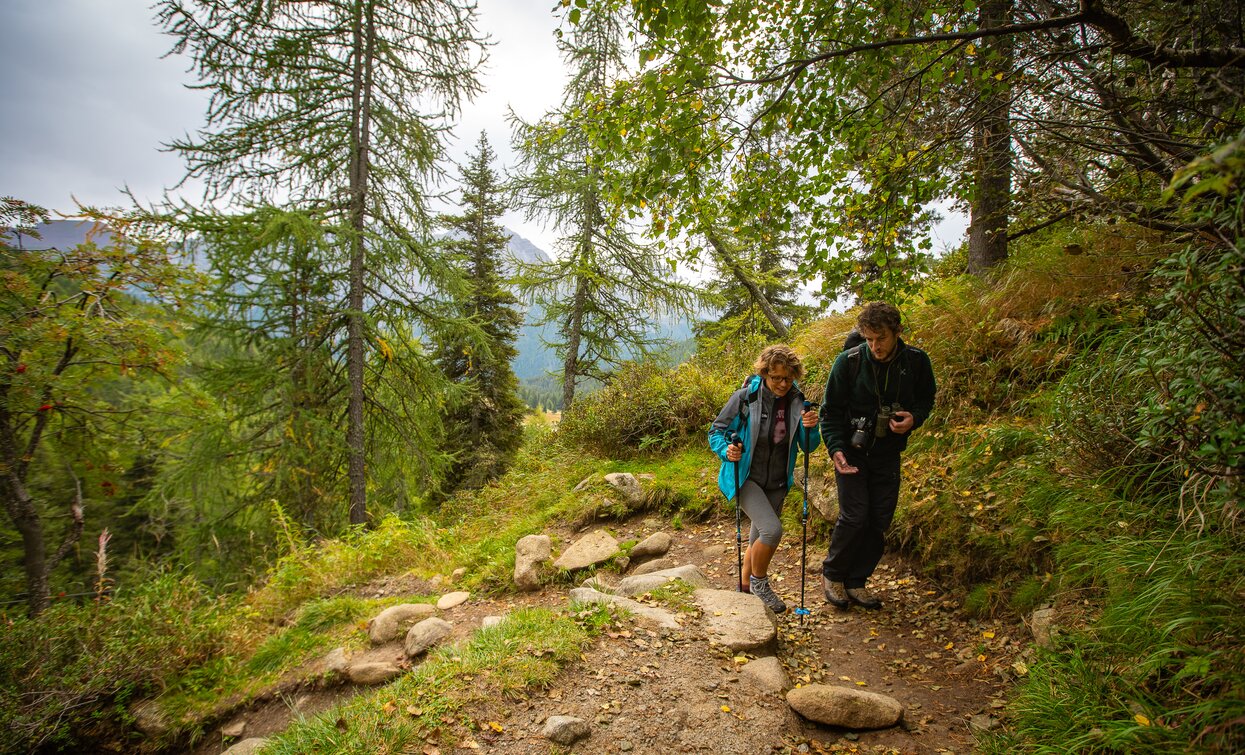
[485,427]
[605,287]
[337,106]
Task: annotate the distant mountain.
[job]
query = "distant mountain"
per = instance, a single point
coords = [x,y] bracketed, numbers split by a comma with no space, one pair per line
[534,362]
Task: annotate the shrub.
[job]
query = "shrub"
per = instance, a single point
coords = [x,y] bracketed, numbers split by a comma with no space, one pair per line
[59,673]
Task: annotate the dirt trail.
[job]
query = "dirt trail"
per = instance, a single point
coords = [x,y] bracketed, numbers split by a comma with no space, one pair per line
[646,691]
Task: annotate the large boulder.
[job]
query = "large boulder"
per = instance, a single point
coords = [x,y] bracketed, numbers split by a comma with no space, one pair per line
[425,634]
[642,583]
[394,621]
[628,485]
[530,553]
[845,707]
[656,544]
[591,549]
[738,620]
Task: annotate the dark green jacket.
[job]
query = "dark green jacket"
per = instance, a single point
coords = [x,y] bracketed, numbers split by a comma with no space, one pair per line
[908,380]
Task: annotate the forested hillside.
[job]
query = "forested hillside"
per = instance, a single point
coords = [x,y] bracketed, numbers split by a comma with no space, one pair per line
[232,486]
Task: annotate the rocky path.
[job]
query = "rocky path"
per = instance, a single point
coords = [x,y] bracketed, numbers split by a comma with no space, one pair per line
[645,688]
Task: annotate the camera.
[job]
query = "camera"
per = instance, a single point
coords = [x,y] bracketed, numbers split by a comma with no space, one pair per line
[885,413]
[860,432]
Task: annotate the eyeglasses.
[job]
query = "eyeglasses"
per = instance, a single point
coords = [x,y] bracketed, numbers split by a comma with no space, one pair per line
[781,380]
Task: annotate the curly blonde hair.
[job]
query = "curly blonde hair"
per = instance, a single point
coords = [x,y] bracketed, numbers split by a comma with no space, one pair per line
[779,354]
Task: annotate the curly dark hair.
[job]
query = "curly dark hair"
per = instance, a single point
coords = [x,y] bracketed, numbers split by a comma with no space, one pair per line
[779,354]
[877,315]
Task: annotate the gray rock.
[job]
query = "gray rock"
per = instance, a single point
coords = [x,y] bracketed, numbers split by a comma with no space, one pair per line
[738,620]
[628,485]
[234,729]
[583,484]
[642,583]
[149,719]
[659,616]
[591,549]
[530,553]
[845,707]
[765,675]
[598,583]
[452,600]
[247,746]
[377,672]
[657,564]
[1042,624]
[714,552]
[656,544]
[490,621]
[336,661]
[394,621]
[982,722]
[458,573]
[425,634]
[565,730]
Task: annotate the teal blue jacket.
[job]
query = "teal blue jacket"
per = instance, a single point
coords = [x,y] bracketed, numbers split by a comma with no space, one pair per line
[737,416]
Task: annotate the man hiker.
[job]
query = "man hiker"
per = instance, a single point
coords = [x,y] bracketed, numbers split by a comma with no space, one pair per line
[876,395]
[767,414]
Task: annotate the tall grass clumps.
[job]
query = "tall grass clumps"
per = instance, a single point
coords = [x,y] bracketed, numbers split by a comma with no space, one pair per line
[523,653]
[311,571]
[68,677]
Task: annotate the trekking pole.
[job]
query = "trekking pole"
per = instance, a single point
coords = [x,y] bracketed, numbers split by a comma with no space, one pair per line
[739,541]
[802,611]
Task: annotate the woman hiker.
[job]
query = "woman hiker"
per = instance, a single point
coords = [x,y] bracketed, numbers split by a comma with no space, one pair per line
[768,415]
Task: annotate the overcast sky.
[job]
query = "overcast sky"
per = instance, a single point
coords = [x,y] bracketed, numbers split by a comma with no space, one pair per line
[88,98]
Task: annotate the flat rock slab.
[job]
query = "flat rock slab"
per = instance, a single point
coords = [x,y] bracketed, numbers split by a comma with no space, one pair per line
[591,549]
[738,620]
[451,600]
[394,621]
[642,583]
[565,730]
[659,616]
[845,707]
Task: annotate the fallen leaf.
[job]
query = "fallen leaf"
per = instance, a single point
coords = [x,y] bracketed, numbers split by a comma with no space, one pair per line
[388,709]
[496,727]
[988,635]
[726,709]
[1141,720]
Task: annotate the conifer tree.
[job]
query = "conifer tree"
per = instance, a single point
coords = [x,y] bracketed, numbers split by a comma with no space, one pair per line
[486,427]
[337,107]
[605,288]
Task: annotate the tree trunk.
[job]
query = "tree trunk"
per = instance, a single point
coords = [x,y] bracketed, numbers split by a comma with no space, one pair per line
[758,296]
[992,148]
[574,326]
[355,352]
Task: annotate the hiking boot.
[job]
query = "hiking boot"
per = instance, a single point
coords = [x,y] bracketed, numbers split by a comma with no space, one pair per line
[863,598]
[836,593]
[761,589]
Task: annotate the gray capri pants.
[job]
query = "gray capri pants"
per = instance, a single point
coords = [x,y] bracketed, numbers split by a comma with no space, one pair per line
[763,508]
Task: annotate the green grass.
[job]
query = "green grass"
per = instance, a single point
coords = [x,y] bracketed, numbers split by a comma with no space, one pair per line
[524,652]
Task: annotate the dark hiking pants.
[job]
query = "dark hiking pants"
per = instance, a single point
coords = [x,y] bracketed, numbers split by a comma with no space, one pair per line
[867,502]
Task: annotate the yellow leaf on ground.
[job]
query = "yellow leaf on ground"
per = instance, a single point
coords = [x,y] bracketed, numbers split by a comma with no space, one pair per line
[496,726]
[1141,720]
[726,709]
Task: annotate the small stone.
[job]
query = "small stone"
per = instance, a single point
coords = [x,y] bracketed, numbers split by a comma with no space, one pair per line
[247,746]
[234,729]
[625,746]
[565,730]
[451,600]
